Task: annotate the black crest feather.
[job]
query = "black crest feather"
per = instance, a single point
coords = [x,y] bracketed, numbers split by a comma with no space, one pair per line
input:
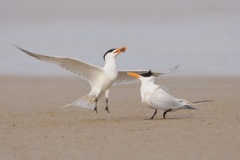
[109,51]
[148,74]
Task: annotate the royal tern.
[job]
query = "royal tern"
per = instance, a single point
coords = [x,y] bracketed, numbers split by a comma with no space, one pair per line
[158,97]
[100,79]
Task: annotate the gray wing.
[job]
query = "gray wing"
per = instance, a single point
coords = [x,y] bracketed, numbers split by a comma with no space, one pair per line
[164,88]
[86,71]
[162,102]
[124,78]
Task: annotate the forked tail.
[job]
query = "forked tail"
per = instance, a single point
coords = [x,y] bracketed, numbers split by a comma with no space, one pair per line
[202,101]
[187,104]
[187,107]
[85,102]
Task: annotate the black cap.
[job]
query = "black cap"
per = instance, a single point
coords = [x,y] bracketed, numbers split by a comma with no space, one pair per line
[148,74]
[109,51]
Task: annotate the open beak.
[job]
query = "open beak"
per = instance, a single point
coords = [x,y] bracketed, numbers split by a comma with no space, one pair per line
[119,50]
[135,75]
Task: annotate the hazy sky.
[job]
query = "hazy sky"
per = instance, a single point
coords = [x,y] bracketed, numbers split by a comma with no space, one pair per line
[124,11]
[203,36]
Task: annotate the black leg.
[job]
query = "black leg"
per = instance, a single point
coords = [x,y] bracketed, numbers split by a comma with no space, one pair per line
[95,109]
[166,113]
[154,114]
[107,105]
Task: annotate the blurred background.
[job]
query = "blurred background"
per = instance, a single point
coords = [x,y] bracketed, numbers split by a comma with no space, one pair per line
[201,35]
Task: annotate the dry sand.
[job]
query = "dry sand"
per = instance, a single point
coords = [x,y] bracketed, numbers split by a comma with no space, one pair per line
[34,127]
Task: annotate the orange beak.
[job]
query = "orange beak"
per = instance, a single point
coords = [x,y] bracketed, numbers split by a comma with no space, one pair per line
[135,75]
[119,50]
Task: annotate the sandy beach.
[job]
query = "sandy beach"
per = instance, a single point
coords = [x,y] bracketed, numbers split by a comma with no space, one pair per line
[32,125]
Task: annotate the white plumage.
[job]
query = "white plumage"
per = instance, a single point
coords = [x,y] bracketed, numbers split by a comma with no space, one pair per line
[100,79]
[158,97]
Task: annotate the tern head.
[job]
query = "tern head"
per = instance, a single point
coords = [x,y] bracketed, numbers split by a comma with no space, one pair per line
[144,77]
[112,53]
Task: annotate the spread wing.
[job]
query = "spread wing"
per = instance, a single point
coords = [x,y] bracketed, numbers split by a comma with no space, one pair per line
[86,71]
[124,78]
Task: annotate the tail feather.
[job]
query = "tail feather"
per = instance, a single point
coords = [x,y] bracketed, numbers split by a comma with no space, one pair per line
[186,104]
[188,107]
[202,101]
[85,102]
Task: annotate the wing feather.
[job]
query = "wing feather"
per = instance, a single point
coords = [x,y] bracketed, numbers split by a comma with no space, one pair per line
[124,78]
[86,71]
[162,102]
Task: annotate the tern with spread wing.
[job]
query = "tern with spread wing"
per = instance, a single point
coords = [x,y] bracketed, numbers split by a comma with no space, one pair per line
[100,79]
[158,97]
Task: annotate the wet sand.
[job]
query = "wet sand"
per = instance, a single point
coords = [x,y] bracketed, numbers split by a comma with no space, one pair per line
[32,125]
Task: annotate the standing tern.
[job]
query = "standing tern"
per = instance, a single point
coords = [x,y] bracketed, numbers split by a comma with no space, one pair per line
[100,79]
[158,97]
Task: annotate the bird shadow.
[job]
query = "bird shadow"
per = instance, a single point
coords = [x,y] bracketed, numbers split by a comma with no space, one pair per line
[96,119]
[132,119]
[182,117]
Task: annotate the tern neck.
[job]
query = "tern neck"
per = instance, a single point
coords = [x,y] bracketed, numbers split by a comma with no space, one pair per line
[148,81]
[146,87]
[110,65]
